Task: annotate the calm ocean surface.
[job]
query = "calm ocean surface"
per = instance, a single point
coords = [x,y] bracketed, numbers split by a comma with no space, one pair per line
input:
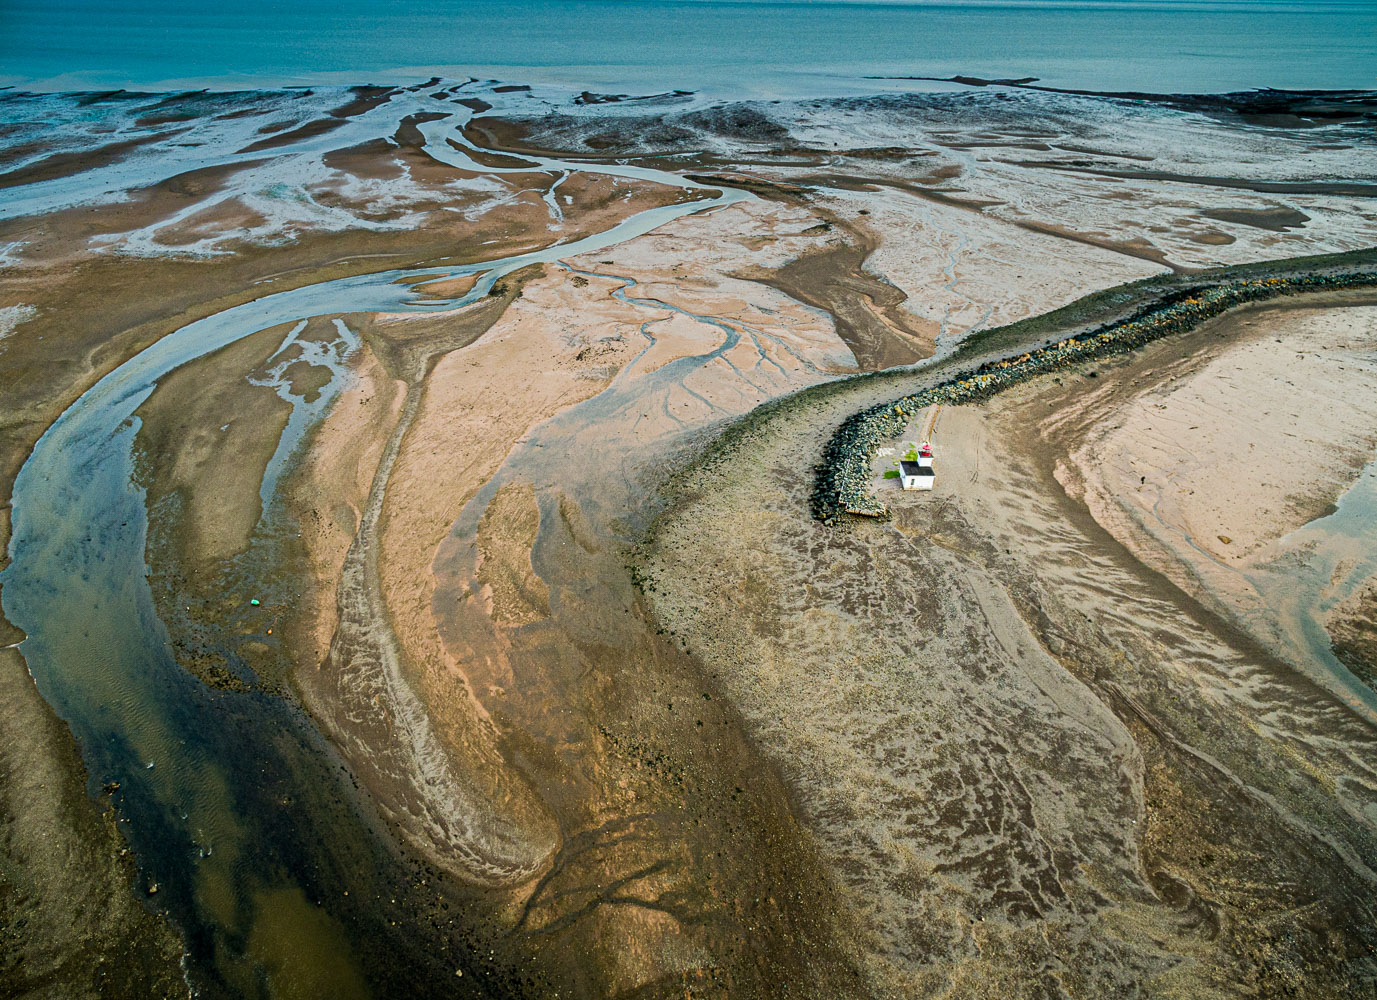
[723,47]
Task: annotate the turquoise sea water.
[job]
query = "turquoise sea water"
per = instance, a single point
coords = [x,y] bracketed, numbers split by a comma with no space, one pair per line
[727,47]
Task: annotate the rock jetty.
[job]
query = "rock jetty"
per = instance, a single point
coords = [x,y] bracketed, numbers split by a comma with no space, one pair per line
[842,480]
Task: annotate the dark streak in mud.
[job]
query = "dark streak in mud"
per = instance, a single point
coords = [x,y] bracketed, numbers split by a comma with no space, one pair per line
[865,308]
[1349,189]
[310,130]
[1265,108]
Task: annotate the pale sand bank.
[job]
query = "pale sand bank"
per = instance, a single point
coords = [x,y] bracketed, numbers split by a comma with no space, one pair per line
[1209,465]
[1249,438]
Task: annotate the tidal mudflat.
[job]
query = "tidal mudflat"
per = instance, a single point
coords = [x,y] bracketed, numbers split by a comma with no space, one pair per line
[412,584]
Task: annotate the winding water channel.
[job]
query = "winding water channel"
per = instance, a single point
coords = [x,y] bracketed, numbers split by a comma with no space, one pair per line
[243,819]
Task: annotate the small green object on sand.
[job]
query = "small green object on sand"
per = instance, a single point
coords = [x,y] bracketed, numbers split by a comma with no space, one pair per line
[253,601]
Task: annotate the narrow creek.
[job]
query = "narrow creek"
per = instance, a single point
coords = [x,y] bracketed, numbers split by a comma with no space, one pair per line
[243,819]
[1319,566]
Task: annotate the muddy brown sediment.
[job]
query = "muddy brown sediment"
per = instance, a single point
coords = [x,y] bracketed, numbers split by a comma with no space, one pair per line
[1353,629]
[1277,219]
[493,159]
[1018,193]
[1011,738]
[207,437]
[66,164]
[367,99]
[642,812]
[96,310]
[629,814]
[670,836]
[310,130]
[866,309]
[1178,465]
[70,924]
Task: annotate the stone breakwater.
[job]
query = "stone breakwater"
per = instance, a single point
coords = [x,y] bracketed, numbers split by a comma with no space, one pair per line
[842,480]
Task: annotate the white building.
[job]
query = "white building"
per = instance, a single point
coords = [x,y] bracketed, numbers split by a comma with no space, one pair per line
[915,475]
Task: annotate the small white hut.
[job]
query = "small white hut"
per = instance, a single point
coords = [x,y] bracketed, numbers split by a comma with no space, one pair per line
[918,475]
[913,476]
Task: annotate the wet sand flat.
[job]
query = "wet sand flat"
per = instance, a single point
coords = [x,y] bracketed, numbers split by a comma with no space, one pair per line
[1012,737]
[489,730]
[1208,468]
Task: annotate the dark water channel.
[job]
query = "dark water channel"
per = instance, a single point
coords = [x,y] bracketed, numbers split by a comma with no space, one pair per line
[247,828]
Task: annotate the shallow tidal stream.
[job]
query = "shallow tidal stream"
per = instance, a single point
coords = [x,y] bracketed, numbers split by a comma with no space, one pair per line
[246,827]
